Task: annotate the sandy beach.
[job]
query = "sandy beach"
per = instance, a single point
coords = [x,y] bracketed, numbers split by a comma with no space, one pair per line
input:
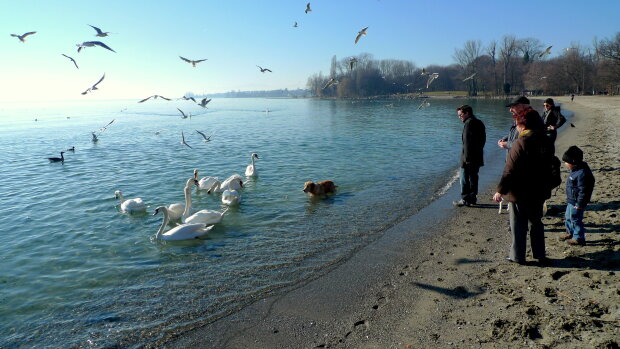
[439,279]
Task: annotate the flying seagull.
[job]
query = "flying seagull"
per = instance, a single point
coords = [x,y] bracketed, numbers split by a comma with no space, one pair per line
[99,32]
[105,127]
[23,36]
[154,97]
[72,60]
[93,44]
[431,77]
[308,9]
[192,62]
[183,140]
[360,34]
[469,77]
[424,105]
[184,115]
[352,62]
[203,103]
[189,98]
[545,52]
[262,70]
[94,87]
[424,72]
[295,25]
[206,139]
[331,82]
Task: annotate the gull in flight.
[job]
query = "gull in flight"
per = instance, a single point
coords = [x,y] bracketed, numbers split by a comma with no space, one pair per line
[469,77]
[93,44]
[192,62]
[360,34]
[154,97]
[206,139]
[545,52]
[99,32]
[424,105]
[352,62]
[72,60]
[308,9]
[183,140]
[431,77]
[424,72]
[332,81]
[542,77]
[184,115]
[262,70]
[188,98]
[105,127]
[23,36]
[204,102]
[94,87]
[295,25]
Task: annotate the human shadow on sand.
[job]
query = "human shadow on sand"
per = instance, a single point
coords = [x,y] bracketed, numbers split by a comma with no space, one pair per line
[457,292]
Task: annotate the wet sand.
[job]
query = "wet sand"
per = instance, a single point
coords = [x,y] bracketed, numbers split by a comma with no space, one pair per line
[439,278]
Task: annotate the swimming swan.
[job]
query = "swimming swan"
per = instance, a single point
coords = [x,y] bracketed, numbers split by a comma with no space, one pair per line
[231,197]
[175,211]
[202,216]
[130,205]
[206,182]
[251,171]
[234,182]
[180,232]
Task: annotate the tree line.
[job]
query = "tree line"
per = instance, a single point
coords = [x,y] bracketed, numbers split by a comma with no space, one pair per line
[504,67]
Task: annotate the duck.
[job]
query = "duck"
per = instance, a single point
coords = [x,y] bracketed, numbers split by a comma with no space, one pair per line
[202,216]
[180,232]
[130,205]
[60,159]
[233,182]
[205,183]
[251,171]
[175,211]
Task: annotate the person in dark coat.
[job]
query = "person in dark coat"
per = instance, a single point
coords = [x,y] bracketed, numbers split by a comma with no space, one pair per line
[579,187]
[473,137]
[552,118]
[521,186]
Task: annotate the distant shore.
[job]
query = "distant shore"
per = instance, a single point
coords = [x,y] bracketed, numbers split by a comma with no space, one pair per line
[439,279]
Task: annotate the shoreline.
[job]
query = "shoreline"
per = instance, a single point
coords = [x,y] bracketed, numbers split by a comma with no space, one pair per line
[438,279]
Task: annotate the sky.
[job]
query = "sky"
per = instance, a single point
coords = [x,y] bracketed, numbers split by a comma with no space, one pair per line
[235,36]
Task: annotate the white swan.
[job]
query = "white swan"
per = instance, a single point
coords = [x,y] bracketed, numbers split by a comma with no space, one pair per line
[231,197]
[180,232]
[251,171]
[175,211]
[130,205]
[202,216]
[206,182]
[234,182]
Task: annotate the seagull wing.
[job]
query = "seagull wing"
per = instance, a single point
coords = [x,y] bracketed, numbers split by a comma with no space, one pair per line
[23,36]
[162,97]
[100,80]
[182,113]
[72,60]
[185,59]
[146,99]
[99,43]
[269,70]
[183,140]
[106,126]
[203,135]
[97,29]
[198,61]
[357,38]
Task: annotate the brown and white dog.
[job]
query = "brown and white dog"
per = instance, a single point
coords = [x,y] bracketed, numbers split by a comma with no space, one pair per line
[321,188]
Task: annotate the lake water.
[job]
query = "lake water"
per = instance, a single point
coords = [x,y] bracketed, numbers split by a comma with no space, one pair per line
[78,272]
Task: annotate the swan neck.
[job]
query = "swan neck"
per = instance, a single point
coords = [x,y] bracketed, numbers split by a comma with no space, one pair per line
[163,224]
[120,197]
[188,202]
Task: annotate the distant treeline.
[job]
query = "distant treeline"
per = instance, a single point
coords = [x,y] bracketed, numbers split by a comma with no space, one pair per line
[508,66]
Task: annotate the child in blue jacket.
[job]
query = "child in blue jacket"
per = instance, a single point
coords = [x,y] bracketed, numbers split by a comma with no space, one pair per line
[579,187]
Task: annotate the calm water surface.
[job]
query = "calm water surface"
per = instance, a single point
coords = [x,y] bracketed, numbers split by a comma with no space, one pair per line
[77,272]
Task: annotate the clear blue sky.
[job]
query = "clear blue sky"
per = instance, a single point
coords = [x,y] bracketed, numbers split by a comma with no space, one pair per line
[235,36]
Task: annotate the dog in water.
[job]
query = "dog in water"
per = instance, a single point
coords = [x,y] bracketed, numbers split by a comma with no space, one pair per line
[321,188]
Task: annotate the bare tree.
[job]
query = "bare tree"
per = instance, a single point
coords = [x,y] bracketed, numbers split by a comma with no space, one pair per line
[507,50]
[467,58]
[491,51]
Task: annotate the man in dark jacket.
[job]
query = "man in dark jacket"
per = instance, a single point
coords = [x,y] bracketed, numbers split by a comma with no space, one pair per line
[474,137]
[579,187]
[521,185]
[552,118]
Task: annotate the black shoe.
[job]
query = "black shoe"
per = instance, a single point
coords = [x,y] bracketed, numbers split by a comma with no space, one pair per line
[513,261]
[544,261]
[460,203]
